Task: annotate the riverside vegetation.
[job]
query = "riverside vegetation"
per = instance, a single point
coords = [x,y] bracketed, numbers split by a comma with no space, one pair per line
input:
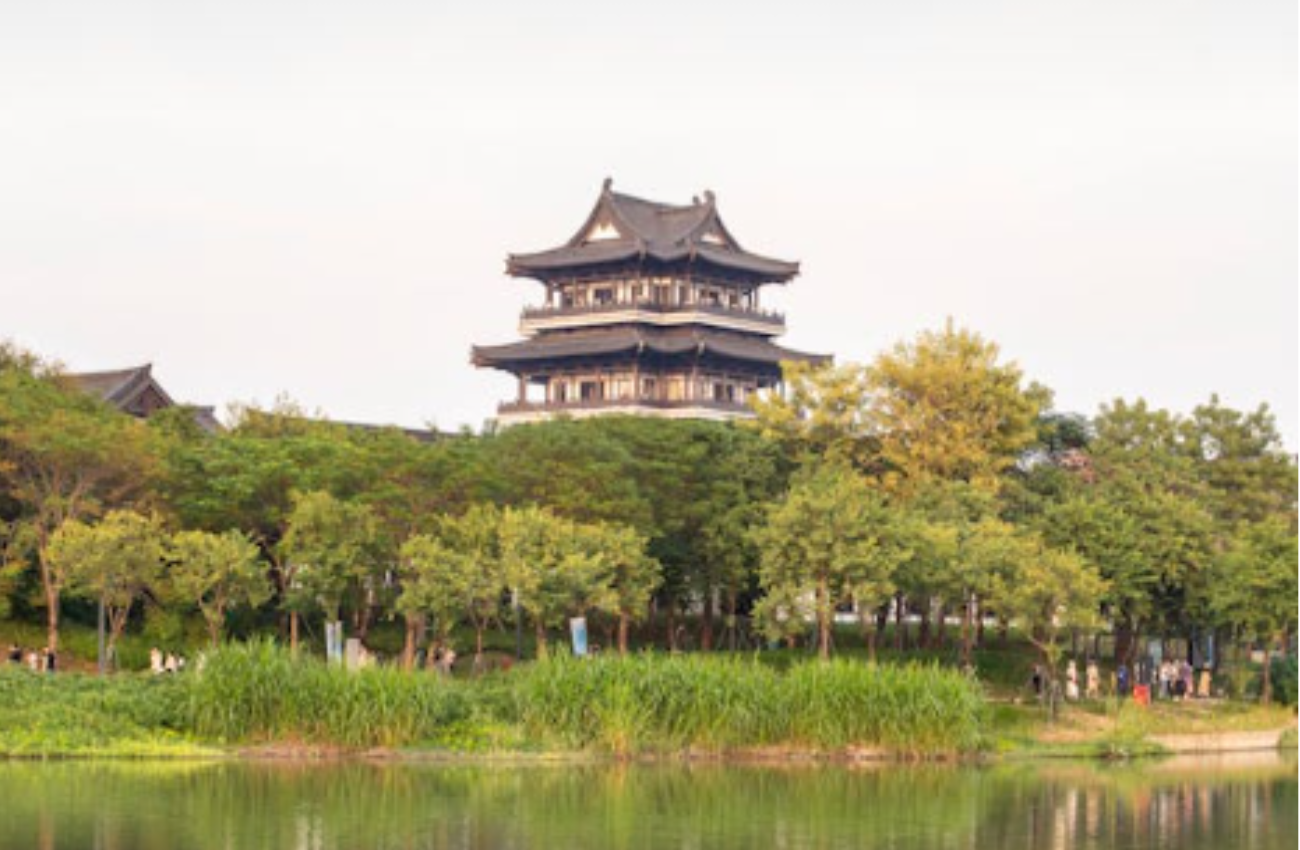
[934,486]
[259,694]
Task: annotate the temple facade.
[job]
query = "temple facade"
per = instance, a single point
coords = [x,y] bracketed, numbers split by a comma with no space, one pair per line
[649,309]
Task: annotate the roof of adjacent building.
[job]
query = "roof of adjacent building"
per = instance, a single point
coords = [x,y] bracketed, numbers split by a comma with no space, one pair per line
[625,339]
[137,392]
[120,387]
[622,227]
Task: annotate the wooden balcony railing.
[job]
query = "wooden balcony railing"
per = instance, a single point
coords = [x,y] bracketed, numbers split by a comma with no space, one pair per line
[757,314]
[609,403]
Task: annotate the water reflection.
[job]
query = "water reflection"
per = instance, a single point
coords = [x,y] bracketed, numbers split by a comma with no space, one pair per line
[1219,803]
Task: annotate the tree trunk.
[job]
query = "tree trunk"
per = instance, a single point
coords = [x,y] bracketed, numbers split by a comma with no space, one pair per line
[52,618]
[966,629]
[293,633]
[923,636]
[478,648]
[671,617]
[363,621]
[116,625]
[823,620]
[541,641]
[898,623]
[214,631]
[408,645]
[622,633]
[868,632]
[1267,692]
[1124,642]
[706,622]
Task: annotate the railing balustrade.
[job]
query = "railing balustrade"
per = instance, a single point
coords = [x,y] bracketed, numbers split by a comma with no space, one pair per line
[606,403]
[727,310]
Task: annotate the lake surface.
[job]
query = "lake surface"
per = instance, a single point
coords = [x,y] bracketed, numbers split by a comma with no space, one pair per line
[1221,802]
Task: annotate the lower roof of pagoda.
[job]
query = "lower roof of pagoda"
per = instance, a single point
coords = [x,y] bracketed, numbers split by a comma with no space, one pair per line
[635,341]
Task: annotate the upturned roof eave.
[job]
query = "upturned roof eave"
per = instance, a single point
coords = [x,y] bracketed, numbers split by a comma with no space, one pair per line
[544,265]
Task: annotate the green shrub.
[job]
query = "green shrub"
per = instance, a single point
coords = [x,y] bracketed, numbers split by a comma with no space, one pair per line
[74,713]
[1283,679]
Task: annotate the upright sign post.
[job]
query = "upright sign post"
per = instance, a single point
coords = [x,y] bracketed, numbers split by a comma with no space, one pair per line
[578,631]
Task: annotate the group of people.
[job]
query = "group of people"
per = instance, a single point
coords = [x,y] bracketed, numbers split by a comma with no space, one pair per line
[44,660]
[441,659]
[1171,679]
[160,663]
[1092,681]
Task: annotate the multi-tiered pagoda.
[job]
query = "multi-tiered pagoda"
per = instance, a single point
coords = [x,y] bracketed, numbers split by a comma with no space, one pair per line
[650,309]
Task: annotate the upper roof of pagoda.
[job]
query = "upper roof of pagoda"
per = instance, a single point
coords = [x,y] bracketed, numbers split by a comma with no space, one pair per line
[622,228]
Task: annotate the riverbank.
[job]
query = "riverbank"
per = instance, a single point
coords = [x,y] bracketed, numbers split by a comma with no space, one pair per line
[258,695]
[257,702]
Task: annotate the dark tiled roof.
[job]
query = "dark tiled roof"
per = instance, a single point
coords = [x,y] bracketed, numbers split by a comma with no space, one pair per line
[647,229]
[629,339]
[119,387]
[138,393]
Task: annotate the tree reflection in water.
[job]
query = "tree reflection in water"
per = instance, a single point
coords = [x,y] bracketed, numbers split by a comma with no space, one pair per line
[1208,803]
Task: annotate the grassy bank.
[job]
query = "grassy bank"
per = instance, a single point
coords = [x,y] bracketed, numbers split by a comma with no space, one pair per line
[257,694]
[74,714]
[1116,729]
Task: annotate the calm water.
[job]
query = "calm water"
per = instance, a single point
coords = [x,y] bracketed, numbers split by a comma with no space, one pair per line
[1223,803]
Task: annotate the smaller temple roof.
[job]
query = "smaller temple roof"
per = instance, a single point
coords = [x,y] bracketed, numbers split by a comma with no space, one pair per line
[638,339]
[622,227]
[136,392]
[121,387]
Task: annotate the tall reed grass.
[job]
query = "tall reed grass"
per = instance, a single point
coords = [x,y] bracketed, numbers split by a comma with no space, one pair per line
[258,692]
[641,703]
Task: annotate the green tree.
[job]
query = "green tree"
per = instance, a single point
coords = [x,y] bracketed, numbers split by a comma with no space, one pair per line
[326,551]
[475,537]
[557,568]
[832,539]
[216,572]
[944,408]
[433,578]
[1240,459]
[1047,591]
[63,457]
[633,574]
[1143,518]
[823,412]
[116,561]
[1253,586]
[576,469]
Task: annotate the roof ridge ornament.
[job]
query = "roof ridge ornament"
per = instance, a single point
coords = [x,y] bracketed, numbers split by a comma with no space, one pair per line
[607,185]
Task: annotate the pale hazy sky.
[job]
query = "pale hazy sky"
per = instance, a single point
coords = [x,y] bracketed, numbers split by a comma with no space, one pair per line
[316,198]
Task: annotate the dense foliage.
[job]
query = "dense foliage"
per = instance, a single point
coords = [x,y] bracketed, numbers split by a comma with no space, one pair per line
[934,483]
